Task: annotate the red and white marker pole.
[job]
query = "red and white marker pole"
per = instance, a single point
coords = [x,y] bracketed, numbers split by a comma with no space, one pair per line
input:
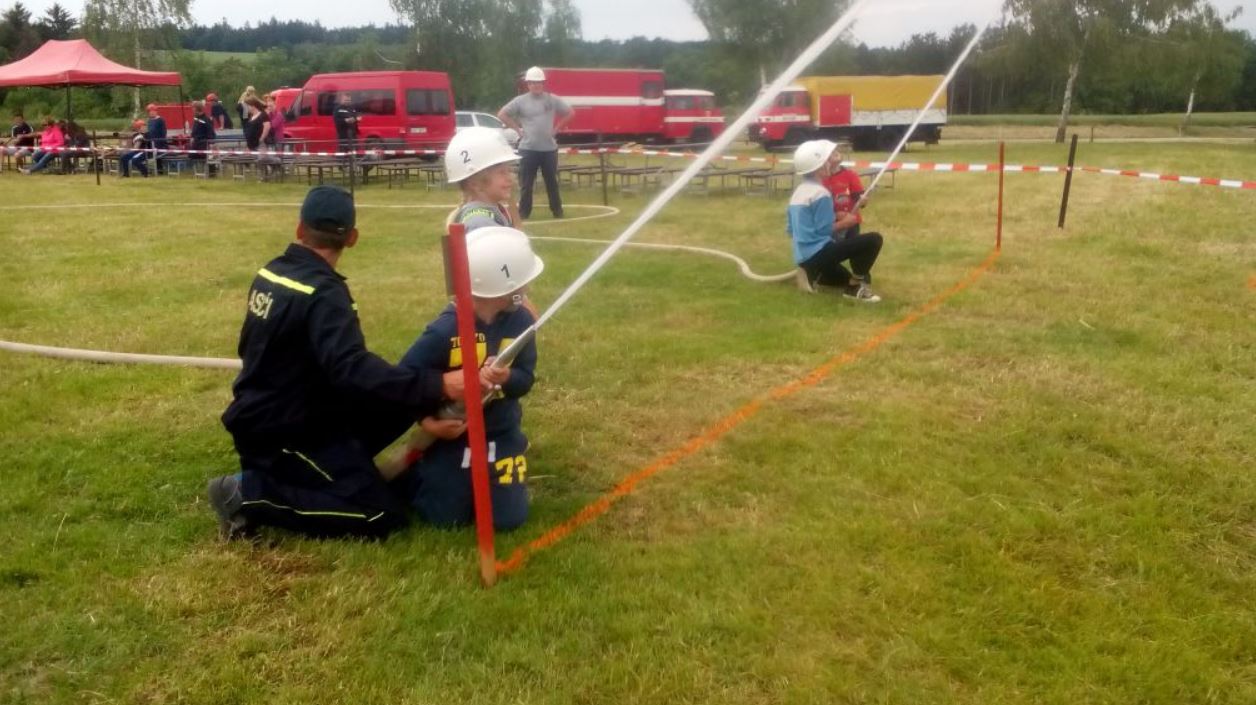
[460,274]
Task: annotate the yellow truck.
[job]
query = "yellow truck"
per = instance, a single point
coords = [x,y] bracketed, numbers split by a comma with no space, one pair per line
[873,112]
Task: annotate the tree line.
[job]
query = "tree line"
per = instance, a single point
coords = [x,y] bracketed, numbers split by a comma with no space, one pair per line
[1096,56]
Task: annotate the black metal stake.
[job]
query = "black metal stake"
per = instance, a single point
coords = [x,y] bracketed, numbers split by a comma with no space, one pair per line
[601,157]
[1068,180]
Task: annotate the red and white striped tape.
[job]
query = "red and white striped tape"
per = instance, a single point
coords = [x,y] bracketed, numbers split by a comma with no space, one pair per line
[951,167]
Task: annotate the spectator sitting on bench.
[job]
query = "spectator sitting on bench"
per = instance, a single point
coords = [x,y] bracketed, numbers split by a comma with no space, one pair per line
[51,140]
[156,133]
[138,156]
[21,139]
[78,143]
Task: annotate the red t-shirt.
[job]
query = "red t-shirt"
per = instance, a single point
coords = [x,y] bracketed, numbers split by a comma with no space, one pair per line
[846,189]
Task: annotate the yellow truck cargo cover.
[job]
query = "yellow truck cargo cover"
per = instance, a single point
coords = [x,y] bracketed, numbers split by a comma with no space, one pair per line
[875,92]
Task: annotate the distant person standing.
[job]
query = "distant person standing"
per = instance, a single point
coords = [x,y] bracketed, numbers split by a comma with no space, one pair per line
[217,113]
[346,119]
[202,139]
[537,116]
[242,105]
[278,123]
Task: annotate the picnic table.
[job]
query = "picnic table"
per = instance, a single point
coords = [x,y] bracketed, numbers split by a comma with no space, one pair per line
[402,170]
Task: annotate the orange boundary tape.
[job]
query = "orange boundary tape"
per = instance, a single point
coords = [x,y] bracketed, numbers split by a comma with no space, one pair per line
[721,427]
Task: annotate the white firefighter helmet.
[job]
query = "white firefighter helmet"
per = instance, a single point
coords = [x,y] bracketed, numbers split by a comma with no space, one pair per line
[475,149]
[812,155]
[501,261]
[534,74]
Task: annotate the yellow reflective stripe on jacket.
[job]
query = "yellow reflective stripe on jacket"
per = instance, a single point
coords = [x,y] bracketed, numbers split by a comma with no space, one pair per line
[311,463]
[455,353]
[293,284]
[346,515]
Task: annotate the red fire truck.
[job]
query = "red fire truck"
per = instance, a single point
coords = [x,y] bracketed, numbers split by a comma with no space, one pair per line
[631,105]
[691,115]
[871,111]
[396,109]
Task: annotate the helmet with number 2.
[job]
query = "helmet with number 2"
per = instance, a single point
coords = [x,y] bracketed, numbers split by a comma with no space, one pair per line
[475,149]
[501,261]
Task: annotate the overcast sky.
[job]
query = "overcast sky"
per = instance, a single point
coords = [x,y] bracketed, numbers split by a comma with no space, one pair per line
[885,23]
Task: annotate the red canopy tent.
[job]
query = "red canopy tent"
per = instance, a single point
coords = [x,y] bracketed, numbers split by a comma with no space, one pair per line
[76,62]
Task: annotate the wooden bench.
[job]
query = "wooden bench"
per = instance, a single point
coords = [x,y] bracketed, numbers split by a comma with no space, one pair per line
[403,170]
[872,173]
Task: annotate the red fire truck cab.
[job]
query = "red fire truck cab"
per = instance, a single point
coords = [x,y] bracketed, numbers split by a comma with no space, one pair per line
[872,111]
[397,110]
[691,115]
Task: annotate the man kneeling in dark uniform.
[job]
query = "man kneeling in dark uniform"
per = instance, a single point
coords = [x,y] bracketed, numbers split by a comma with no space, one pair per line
[312,405]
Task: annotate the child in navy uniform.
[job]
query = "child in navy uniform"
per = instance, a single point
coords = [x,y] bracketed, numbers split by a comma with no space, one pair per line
[502,265]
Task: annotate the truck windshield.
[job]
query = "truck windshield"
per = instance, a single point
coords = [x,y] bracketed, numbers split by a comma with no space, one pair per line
[790,100]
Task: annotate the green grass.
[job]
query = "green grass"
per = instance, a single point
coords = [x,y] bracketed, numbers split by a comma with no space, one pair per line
[1237,119]
[213,57]
[1040,493]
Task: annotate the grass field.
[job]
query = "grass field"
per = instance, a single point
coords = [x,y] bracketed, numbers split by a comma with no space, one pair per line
[1155,126]
[1039,493]
[1236,119]
[214,57]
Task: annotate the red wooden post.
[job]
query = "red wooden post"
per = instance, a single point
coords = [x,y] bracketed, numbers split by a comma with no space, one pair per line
[459,272]
[998,234]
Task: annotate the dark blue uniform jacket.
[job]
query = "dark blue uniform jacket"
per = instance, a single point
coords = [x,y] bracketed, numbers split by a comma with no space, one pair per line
[306,366]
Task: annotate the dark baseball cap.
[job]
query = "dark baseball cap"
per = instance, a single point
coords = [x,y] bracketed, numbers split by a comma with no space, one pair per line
[328,209]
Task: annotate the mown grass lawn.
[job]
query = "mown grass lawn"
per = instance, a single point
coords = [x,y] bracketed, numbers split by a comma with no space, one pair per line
[1231,119]
[1040,493]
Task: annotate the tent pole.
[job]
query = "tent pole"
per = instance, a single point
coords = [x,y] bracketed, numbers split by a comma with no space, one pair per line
[69,109]
[183,112]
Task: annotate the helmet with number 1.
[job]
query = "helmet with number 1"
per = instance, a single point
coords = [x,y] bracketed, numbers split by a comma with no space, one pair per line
[501,261]
[812,154]
[475,149]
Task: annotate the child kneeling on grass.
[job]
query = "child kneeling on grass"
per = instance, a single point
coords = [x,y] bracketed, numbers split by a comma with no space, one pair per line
[821,241]
[502,265]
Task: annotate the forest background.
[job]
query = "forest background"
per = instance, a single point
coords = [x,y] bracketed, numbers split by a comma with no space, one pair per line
[1042,56]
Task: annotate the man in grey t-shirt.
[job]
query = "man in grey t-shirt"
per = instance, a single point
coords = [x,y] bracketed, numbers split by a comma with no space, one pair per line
[537,115]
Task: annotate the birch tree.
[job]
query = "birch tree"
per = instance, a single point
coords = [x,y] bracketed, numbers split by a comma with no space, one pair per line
[1078,29]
